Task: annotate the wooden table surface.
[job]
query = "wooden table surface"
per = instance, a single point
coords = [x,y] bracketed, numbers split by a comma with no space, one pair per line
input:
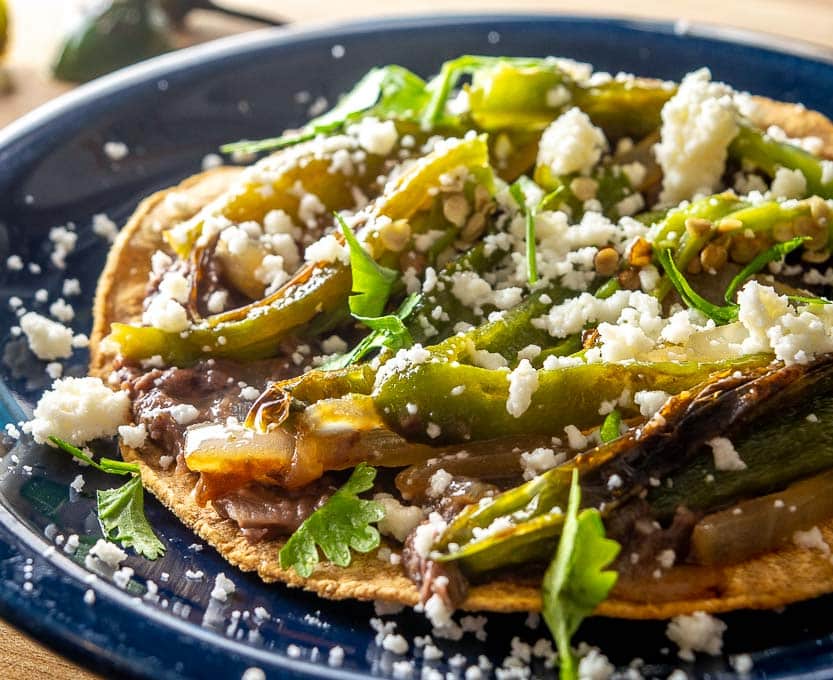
[38,24]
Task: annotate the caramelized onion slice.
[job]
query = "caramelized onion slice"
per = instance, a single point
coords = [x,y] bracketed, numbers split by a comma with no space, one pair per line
[233,450]
[762,524]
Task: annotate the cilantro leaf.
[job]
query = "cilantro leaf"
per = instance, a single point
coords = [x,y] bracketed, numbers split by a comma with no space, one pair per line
[610,427]
[372,283]
[517,192]
[385,92]
[729,312]
[575,581]
[342,523]
[387,331]
[691,298]
[114,467]
[121,511]
[776,252]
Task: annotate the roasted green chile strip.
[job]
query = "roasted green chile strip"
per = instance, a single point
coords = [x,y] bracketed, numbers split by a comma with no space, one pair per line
[520,524]
[775,453]
[254,331]
[565,396]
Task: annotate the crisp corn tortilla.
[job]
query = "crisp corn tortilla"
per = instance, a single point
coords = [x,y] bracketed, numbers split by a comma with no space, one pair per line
[772,580]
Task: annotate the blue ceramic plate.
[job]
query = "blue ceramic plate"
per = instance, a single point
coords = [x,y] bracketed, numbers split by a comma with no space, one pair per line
[170,112]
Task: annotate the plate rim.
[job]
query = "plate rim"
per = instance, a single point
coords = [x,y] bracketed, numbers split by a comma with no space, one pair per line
[181,61]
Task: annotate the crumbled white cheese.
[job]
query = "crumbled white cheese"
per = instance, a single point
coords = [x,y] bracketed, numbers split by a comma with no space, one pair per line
[433,430]
[571,143]
[175,286]
[334,345]
[425,534]
[811,539]
[375,136]
[667,558]
[540,460]
[217,301]
[63,240]
[223,587]
[595,666]
[62,310]
[335,657]
[698,123]
[109,553]
[133,436]
[438,483]
[789,183]
[54,370]
[249,393]
[403,360]
[14,263]
[742,663]
[726,458]
[395,643]
[104,227]
[523,382]
[575,439]
[47,339]
[826,171]
[772,324]
[184,414]
[166,314]
[78,483]
[399,519]
[697,632]
[211,160]
[79,410]
[492,361]
[116,151]
[325,250]
[650,401]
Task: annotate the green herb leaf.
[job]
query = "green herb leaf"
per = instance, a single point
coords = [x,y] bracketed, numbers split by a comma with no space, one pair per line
[342,523]
[517,192]
[721,315]
[388,331]
[386,92]
[121,512]
[610,427]
[515,92]
[372,282]
[776,252]
[115,467]
[575,581]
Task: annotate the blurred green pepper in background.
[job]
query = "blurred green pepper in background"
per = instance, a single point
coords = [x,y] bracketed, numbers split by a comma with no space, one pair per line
[118,33]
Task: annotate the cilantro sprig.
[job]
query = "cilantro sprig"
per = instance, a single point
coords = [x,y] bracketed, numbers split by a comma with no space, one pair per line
[517,192]
[723,314]
[372,283]
[385,92]
[576,581]
[121,511]
[372,286]
[387,331]
[341,524]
